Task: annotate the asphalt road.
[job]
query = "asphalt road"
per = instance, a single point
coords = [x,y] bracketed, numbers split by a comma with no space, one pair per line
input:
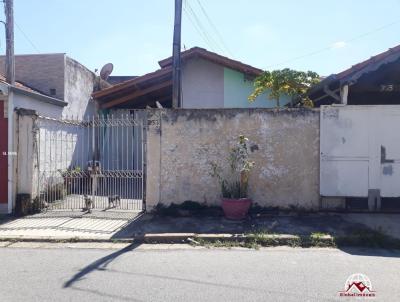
[137,274]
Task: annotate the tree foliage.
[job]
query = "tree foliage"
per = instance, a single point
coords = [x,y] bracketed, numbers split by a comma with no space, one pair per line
[285,82]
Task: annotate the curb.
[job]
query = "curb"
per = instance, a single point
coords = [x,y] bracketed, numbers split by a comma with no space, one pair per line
[171,238]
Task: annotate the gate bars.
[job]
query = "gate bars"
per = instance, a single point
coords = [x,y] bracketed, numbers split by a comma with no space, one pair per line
[96,163]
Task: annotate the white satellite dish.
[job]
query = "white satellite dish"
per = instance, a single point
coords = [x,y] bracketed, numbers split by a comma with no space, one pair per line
[106,70]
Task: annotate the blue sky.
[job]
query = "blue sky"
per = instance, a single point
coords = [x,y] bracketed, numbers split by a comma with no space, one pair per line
[135,34]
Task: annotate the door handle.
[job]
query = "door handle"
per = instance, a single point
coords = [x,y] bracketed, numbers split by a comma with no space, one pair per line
[385,160]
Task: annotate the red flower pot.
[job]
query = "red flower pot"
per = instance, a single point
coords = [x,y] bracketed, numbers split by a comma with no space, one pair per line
[236,208]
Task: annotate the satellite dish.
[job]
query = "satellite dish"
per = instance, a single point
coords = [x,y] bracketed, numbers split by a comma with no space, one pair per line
[106,70]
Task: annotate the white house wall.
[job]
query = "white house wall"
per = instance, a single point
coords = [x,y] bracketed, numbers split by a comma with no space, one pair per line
[202,84]
[41,107]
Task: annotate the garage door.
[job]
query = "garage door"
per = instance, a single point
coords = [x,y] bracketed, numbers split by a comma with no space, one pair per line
[360,150]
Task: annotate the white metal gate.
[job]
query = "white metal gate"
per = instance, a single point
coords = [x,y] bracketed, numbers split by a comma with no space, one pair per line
[360,151]
[96,163]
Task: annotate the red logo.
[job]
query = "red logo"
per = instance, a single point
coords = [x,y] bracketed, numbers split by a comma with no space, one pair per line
[358,285]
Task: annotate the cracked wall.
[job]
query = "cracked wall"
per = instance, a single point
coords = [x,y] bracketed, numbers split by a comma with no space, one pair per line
[183,143]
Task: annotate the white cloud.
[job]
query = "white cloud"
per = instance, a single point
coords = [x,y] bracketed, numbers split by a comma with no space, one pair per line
[339,44]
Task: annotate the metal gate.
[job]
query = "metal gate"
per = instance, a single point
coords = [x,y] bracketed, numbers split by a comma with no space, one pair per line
[96,163]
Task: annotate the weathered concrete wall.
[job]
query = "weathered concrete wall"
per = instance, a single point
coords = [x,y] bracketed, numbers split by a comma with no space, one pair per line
[27,156]
[79,84]
[182,143]
[72,81]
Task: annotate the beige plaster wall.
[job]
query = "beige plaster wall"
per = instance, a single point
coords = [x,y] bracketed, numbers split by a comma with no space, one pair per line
[182,143]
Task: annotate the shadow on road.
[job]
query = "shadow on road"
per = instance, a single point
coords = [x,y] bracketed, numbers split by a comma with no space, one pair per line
[100,264]
[373,252]
[104,294]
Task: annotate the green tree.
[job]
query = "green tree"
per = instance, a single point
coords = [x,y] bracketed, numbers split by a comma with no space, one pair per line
[285,82]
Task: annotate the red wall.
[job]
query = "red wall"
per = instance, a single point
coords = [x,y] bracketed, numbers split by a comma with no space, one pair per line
[3,158]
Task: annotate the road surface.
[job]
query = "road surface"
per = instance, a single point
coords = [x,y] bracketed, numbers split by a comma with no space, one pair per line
[189,274]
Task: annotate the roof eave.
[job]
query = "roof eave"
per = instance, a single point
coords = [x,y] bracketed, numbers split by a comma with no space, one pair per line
[41,97]
[213,57]
[130,83]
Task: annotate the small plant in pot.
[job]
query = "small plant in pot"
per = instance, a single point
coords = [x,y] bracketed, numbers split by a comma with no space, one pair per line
[234,180]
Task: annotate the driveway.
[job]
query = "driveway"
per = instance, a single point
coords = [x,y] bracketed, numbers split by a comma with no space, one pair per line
[99,225]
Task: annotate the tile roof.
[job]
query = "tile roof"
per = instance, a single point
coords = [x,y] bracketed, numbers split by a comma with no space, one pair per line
[352,74]
[374,59]
[166,69]
[214,57]
[133,83]
[19,85]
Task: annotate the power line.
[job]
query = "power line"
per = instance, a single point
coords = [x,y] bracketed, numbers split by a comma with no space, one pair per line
[313,53]
[196,28]
[200,28]
[214,28]
[27,38]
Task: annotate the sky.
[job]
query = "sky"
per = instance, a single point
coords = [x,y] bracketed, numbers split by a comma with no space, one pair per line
[322,36]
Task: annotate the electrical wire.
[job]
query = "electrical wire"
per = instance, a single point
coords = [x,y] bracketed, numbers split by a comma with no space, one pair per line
[216,31]
[201,27]
[27,38]
[313,53]
[197,29]
[202,31]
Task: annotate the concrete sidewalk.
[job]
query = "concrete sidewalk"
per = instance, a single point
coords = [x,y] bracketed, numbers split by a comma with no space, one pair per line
[387,223]
[62,225]
[127,226]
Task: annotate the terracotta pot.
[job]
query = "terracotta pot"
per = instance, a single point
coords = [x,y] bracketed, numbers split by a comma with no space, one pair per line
[236,208]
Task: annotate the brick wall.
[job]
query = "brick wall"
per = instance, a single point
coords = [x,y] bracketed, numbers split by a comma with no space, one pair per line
[48,72]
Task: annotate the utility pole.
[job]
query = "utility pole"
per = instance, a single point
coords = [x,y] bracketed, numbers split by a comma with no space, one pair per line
[176,56]
[10,61]
[10,79]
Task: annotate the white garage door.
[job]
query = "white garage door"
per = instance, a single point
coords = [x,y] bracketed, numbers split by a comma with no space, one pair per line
[360,150]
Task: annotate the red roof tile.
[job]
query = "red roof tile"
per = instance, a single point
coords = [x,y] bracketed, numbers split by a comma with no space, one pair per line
[214,57]
[374,59]
[18,85]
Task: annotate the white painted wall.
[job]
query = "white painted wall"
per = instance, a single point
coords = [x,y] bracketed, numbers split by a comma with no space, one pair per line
[202,84]
[352,138]
[41,107]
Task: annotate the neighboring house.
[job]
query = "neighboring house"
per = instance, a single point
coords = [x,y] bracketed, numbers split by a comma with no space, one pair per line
[209,80]
[53,85]
[374,81]
[359,141]
[119,79]
[58,76]
[23,97]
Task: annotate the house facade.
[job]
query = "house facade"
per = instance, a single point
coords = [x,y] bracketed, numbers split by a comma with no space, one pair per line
[209,80]
[58,76]
[372,82]
[52,85]
[22,97]
[360,144]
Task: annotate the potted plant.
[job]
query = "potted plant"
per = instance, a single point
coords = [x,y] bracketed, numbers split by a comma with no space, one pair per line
[234,180]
